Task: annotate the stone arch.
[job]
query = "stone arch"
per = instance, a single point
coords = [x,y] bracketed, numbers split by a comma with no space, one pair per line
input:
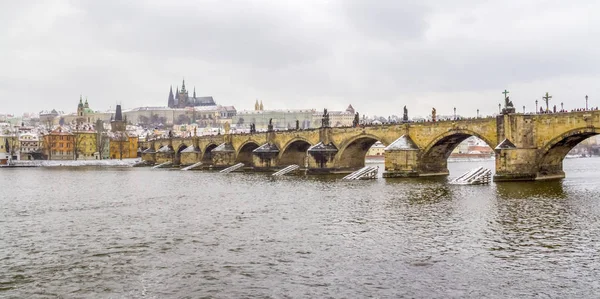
[552,154]
[181,148]
[177,156]
[294,152]
[207,154]
[244,153]
[434,157]
[352,152]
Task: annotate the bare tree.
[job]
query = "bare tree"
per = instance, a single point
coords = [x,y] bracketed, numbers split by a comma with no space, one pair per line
[47,144]
[101,143]
[77,141]
[122,143]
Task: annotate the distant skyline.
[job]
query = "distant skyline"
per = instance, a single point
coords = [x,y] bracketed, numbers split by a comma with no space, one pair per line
[376,55]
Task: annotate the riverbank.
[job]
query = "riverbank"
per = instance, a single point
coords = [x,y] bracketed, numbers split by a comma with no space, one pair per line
[75,163]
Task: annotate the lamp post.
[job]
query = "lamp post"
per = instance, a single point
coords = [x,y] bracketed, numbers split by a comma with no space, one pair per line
[523,109]
[561,107]
[536,106]
[499,107]
[477,113]
[454,113]
[586,102]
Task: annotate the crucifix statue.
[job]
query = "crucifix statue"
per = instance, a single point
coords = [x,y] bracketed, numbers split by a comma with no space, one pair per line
[547,98]
[505,92]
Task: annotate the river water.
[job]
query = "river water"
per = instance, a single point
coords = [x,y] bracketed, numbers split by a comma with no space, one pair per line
[91,232]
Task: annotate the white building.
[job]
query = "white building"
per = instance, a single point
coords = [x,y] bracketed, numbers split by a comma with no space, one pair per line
[29,146]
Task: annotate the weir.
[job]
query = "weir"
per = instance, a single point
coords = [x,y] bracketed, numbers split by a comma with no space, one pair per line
[232,168]
[163,165]
[191,167]
[365,173]
[477,176]
[287,170]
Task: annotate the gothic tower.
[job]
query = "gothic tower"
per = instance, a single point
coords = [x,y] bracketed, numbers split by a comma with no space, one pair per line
[171,102]
[182,96]
[256,106]
[118,124]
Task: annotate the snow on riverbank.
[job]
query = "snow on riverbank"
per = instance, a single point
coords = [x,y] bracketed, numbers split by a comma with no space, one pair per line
[46,163]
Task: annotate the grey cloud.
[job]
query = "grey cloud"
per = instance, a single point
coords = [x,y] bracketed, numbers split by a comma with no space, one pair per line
[387,19]
[297,54]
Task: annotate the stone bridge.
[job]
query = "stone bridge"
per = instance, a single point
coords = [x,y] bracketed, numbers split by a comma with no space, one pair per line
[527,146]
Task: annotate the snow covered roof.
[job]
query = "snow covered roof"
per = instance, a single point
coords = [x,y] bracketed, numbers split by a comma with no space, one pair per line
[505,144]
[402,143]
[165,149]
[224,147]
[190,149]
[206,108]
[320,147]
[266,148]
[149,151]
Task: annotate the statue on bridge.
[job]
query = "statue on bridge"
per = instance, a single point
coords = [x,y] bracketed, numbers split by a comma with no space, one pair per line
[325,119]
[433,114]
[252,128]
[270,126]
[297,125]
[508,104]
[356,120]
[405,115]
[227,127]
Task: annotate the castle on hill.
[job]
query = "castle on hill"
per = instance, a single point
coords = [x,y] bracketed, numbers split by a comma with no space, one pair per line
[181,98]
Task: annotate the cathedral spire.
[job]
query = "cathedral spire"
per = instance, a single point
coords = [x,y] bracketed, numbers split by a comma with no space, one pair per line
[261,106]
[183,86]
[171,101]
[256,105]
[194,92]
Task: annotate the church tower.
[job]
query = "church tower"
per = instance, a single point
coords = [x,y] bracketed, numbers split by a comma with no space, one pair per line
[261,106]
[171,102]
[256,106]
[86,105]
[80,107]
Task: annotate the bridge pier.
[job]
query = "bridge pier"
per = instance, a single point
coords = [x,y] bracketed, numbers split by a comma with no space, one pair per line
[513,164]
[223,155]
[149,155]
[403,158]
[265,156]
[189,156]
[321,158]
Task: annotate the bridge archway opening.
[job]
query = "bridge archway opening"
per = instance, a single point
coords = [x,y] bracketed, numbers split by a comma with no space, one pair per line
[434,159]
[177,158]
[354,154]
[207,155]
[553,154]
[245,153]
[295,152]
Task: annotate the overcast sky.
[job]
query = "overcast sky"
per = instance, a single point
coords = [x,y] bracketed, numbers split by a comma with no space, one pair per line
[377,55]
